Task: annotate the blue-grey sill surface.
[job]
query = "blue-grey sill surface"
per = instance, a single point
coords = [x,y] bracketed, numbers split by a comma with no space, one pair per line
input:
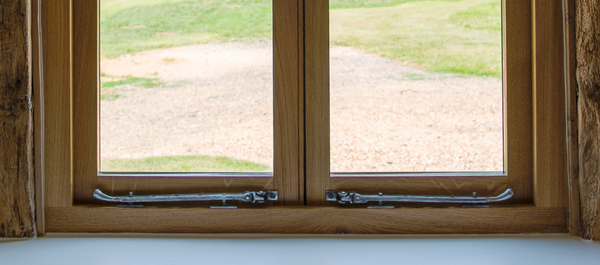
[272,250]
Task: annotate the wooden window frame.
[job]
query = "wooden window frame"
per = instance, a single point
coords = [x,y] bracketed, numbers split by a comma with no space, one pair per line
[71,141]
[518,157]
[80,28]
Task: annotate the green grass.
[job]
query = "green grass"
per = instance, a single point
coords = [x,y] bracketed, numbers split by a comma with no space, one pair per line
[342,4]
[445,36]
[109,90]
[109,94]
[138,81]
[413,77]
[480,17]
[183,164]
[134,26]
[427,34]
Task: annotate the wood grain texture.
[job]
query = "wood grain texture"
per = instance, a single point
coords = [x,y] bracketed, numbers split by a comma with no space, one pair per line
[86,109]
[518,118]
[157,185]
[571,101]
[588,80]
[56,27]
[550,167]
[439,186]
[301,104]
[38,121]
[518,113]
[86,102]
[287,109]
[297,219]
[316,65]
[17,189]
[302,220]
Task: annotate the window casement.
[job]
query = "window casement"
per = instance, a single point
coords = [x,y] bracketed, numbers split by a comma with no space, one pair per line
[534,133]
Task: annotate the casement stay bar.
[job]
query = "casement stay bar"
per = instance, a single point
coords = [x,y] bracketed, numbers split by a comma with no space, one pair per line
[248,196]
[474,201]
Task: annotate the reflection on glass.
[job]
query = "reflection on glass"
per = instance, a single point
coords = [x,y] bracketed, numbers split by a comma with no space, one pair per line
[416,85]
[186,86]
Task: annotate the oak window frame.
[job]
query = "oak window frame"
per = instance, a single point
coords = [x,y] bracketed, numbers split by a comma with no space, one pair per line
[69,65]
[517,114]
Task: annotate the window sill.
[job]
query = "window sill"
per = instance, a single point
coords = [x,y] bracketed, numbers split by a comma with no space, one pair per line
[308,220]
[277,249]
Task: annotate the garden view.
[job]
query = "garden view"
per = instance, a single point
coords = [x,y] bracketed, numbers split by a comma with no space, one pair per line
[187,86]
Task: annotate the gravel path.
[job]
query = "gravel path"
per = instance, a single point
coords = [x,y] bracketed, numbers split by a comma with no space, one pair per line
[384,116]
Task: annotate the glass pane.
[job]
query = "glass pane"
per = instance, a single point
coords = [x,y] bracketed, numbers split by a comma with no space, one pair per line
[416,85]
[186,86]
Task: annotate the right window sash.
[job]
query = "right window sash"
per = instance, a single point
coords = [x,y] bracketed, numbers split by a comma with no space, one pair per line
[517,132]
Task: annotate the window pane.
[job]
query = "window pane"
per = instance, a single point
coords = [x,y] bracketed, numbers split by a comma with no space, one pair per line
[186,86]
[416,85]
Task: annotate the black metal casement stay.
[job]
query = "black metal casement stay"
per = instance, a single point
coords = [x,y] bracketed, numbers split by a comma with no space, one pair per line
[259,197]
[136,200]
[467,201]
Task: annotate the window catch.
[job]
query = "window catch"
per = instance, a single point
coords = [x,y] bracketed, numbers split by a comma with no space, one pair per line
[248,196]
[467,201]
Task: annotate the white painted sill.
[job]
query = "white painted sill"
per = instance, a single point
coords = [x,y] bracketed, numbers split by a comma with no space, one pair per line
[90,249]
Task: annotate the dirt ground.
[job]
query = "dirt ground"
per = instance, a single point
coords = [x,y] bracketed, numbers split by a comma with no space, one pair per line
[385,116]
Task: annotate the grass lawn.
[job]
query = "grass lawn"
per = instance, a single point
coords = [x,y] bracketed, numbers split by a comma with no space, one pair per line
[109,87]
[460,37]
[132,26]
[342,4]
[183,164]
[448,36]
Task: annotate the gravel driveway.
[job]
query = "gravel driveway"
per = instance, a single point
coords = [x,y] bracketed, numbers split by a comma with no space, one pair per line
[385,116]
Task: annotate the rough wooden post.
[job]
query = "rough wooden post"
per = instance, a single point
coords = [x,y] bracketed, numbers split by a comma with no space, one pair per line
[588,80]
[17,217]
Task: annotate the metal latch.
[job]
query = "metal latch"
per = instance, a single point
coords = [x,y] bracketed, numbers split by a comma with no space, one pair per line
[467,201]
[248,196]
